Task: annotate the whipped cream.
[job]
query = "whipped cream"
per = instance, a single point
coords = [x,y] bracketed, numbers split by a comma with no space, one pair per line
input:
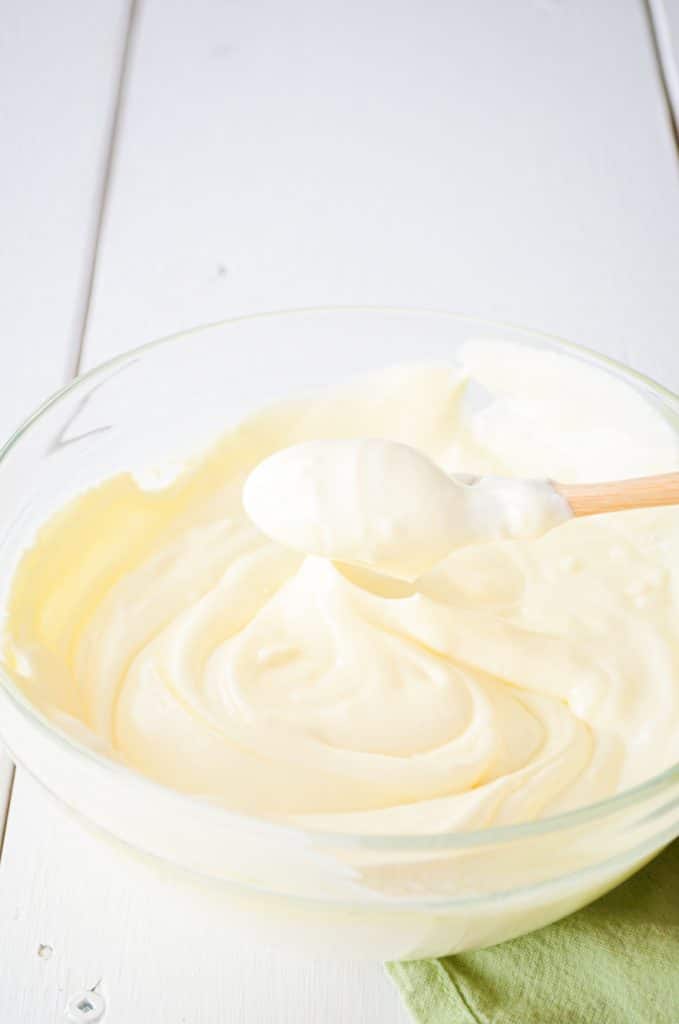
[387,506]
[509,680]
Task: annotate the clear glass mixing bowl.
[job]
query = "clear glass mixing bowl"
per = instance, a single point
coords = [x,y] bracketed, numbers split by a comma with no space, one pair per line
[383,896]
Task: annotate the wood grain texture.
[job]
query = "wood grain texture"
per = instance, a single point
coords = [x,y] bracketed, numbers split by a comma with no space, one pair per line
[621,495]
[509,160]
[57,75]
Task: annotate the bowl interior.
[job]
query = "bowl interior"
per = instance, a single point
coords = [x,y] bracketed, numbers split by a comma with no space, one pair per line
[156,405]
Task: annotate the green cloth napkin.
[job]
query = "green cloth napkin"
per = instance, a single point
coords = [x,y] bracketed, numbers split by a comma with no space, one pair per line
[614,962]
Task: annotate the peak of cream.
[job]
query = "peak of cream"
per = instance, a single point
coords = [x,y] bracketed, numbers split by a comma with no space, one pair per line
[385,505]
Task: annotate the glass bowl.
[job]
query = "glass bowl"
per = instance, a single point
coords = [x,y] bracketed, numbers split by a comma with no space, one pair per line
[374,895]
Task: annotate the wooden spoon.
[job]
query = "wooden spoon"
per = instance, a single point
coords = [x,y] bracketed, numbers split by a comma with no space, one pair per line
[618,495]
[386,506]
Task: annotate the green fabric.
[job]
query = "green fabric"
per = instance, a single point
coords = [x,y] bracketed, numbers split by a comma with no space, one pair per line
[614,962]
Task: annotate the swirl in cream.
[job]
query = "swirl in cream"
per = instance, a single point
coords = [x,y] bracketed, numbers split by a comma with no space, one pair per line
[512,680]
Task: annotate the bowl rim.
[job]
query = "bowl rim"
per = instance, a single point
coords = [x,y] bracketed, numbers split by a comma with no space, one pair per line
[322,836]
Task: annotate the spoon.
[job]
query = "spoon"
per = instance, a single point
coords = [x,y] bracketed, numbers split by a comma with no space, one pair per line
[388,507]
[620,495]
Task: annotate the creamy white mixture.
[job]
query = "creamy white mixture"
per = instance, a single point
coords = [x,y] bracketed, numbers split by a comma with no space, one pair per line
[497,683]
[387,506]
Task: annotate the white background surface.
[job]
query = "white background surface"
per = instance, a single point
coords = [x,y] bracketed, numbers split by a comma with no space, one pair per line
[514,160]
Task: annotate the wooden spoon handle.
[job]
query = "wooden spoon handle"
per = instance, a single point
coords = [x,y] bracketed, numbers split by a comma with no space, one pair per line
[617,495]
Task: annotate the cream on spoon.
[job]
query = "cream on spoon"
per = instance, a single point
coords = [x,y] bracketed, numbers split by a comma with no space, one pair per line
[387,506]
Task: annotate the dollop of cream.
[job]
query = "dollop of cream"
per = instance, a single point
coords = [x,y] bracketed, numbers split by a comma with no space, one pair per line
[385,505]
[509,680]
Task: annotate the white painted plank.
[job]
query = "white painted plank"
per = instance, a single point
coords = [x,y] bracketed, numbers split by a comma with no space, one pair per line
[57,75]
[512,160]
[665,17]
[164,955]
[58,68]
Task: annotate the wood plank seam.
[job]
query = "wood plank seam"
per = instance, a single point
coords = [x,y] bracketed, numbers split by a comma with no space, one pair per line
[4,807]
[668,71]
[104,190]
[7,788]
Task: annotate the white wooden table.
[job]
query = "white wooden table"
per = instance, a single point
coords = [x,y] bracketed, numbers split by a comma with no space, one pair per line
[166,164]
